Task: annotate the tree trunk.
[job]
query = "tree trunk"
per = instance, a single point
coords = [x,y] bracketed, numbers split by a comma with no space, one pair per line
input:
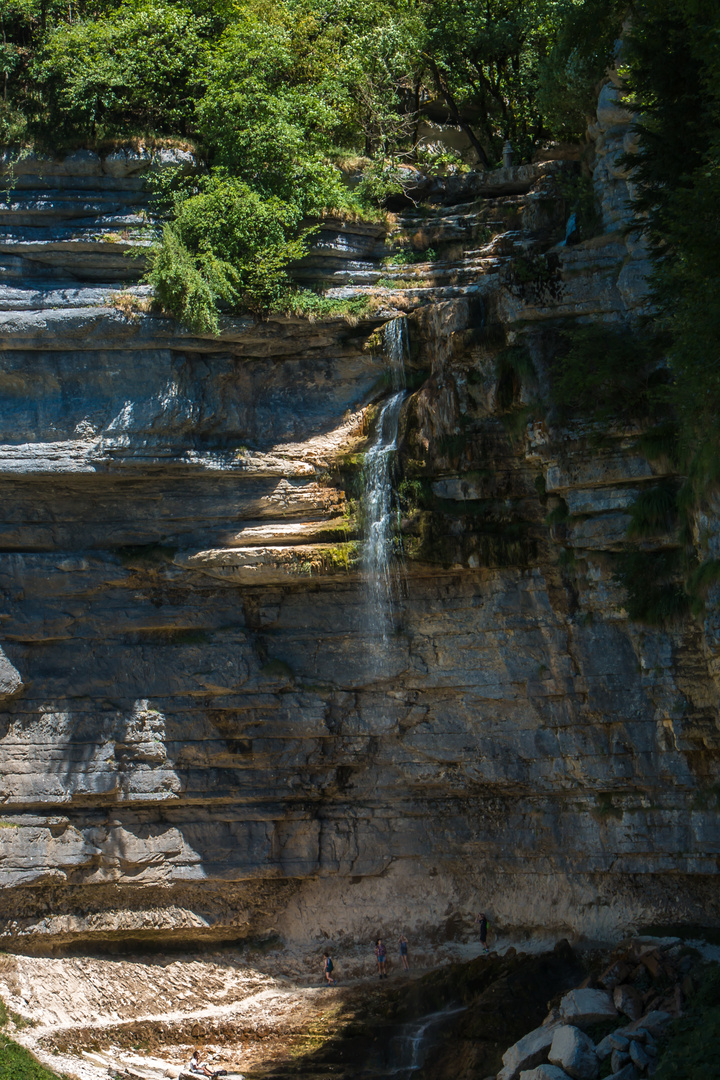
[416,127]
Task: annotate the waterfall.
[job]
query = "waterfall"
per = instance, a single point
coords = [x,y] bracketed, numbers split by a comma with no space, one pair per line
[408,1049]
[380,570]
[395,349]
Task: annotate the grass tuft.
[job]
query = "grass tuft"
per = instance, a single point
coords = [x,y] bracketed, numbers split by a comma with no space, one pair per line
[652,581]
[654,509]
[315,307]
[689,1048]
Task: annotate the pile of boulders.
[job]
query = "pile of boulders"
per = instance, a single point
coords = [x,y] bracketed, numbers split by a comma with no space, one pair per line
[610,1025]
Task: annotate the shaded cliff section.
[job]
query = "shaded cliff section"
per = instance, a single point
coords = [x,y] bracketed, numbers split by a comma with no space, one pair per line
[195,744]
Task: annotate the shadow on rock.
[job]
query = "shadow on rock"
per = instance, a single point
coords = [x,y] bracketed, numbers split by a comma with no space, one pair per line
[451,1024]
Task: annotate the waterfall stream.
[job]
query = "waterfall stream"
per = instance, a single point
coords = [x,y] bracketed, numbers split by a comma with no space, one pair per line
[409,1048]
[380,569]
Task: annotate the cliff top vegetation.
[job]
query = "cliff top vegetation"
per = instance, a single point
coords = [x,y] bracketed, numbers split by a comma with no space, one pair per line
[295,107]
[300,107]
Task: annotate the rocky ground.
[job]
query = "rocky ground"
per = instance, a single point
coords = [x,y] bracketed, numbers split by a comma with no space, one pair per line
[141,1016]
[580,1016]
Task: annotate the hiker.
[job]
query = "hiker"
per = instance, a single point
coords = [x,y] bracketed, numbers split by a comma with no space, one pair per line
[381,957]
[328,968]
[403,952]
[481,918]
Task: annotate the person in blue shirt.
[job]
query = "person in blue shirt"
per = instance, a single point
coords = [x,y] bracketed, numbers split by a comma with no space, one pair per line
[403,952]
[381,957]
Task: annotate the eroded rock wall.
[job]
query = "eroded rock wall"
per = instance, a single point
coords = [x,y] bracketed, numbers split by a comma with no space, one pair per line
[198,740]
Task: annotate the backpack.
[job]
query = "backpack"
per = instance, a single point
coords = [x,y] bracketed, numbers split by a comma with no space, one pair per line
[329,964]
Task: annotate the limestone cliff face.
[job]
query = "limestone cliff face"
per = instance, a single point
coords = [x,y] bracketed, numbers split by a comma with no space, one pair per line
[202,736]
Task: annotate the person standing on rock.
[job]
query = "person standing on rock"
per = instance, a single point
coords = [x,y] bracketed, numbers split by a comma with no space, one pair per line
[481,918]
[381,956]
[403,952]
[328,969]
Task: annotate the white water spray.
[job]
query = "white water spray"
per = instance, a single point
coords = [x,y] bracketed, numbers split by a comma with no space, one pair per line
[380,569]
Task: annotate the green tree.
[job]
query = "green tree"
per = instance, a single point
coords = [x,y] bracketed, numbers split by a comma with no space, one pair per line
[135,68]
[483,59]
[673,74]
[576,61]
[267,123]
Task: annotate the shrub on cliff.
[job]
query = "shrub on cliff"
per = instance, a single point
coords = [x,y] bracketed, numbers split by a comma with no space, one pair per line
[604,374]
[225,245]
[277,93]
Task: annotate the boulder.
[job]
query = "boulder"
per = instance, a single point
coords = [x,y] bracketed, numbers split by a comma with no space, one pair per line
[10,678]
[527,1053]
[619,1059]
[619,970]
[125,162]
[629,1072]
[79,163]
[574,1051]
[651,960]
[627,1000]
[611,1042]
[170,158]
[638,1056]
[544,1072]
[654,1022]
[585,1007]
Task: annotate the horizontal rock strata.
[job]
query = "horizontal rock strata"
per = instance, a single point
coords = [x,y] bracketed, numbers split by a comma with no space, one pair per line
[201,733]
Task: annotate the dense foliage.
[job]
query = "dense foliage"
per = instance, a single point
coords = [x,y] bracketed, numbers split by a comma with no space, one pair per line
[673,72]
[601,373]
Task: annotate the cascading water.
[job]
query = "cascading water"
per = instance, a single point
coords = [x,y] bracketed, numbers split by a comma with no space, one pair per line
[380,570]
[409,1048]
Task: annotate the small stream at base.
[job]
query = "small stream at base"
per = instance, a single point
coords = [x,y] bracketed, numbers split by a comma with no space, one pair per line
[381,569]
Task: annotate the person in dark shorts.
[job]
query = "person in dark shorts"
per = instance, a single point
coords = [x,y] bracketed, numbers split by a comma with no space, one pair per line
[482,919]
[403,952]
[381,957]
[328,969]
